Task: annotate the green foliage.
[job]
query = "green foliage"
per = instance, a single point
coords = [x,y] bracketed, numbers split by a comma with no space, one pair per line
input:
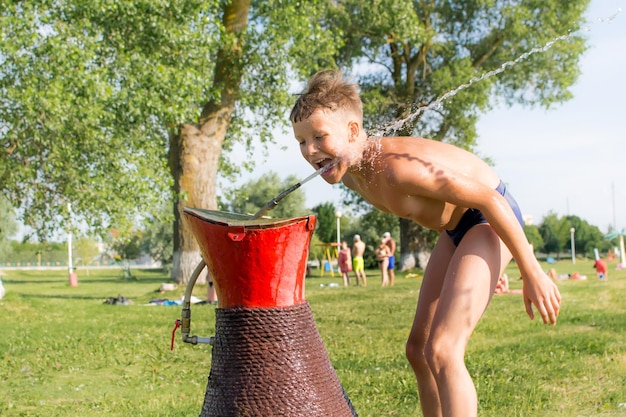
[85,251]
[79,357]
[316,251]
[47,253]
[326,228]
[157,241]
[587,237]
[555,232]
[534,237]
[128,247]
[92,91]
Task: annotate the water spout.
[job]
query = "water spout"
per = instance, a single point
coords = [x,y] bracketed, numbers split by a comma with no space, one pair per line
[274,202]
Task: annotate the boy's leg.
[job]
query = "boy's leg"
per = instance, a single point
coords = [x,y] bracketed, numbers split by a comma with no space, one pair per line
[467,289]
[430,291]
[385,275]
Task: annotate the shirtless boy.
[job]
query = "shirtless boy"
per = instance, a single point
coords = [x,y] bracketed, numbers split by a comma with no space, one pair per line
[444,188]
[358,264]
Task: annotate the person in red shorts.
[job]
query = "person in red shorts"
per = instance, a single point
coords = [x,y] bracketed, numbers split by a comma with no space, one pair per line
[601,270]
[345,263]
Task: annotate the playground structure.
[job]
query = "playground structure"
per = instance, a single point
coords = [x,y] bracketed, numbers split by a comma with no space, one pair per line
[268,358]
[331,253]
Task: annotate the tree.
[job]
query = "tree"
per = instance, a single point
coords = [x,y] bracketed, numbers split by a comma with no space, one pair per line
[534,237]
[85,250]
[127,247]
[555,233]
[326,225]
[118,106]
[587,237]
[410,54]
[157,241]
[8,227]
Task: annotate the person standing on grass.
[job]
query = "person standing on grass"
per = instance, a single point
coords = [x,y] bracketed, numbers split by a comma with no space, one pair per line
[444,188]
[345,263]
[601,270]
[382,255]
[358,263]
[392,250]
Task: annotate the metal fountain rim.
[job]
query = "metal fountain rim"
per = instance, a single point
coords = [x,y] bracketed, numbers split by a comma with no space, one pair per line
[236,219]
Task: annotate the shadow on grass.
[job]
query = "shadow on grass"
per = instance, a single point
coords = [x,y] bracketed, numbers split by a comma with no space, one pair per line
[62,296]
[20,281]
[86,281]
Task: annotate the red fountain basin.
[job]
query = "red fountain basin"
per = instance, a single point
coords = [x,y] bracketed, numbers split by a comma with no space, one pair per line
[253,262]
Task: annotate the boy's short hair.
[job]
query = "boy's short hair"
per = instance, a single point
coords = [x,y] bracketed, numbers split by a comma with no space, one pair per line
[328,89]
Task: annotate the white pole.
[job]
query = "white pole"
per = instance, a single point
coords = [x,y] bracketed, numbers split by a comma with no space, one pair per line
[338,216]
[70,267]
[622,251]
[572,230]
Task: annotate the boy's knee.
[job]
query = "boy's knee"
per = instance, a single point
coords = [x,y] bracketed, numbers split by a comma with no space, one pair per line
[414,351]
[439,355]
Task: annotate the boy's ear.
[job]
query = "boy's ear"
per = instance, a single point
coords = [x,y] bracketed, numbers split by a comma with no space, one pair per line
[354,130]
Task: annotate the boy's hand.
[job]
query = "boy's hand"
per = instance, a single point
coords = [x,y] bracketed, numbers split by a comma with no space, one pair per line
[545,295]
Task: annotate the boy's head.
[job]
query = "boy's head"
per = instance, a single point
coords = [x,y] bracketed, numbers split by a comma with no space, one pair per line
[327,90]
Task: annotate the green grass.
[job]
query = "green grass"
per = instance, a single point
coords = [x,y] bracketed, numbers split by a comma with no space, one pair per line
[65,353]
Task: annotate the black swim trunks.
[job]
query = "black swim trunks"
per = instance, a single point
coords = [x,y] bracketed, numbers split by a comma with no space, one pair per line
[472,217]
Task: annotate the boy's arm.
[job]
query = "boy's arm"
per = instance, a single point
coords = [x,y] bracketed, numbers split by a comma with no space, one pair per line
[461,190]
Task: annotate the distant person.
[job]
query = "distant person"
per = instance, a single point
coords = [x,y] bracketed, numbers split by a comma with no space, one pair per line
[553,275]
[502,286]
[345,262]
[601,269]
[392,250]
[382,255]
[211,294]
[358,264]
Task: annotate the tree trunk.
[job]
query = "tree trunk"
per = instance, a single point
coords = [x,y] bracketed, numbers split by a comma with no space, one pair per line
[194,157]
[196,148]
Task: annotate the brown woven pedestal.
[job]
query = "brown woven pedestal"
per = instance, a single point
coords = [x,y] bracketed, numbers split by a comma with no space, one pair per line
[272,362]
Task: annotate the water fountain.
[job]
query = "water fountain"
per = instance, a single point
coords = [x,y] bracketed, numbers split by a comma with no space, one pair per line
[268,358]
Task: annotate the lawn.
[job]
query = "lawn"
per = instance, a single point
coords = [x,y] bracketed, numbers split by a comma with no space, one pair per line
[66,353]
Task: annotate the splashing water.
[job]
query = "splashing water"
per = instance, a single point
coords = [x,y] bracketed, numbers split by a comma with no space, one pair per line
[397,124]
[274,202]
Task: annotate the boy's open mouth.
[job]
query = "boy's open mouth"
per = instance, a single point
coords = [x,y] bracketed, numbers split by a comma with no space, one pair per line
[323,163]
[325,166]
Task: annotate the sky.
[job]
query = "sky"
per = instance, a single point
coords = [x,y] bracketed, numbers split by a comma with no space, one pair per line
[568,160]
